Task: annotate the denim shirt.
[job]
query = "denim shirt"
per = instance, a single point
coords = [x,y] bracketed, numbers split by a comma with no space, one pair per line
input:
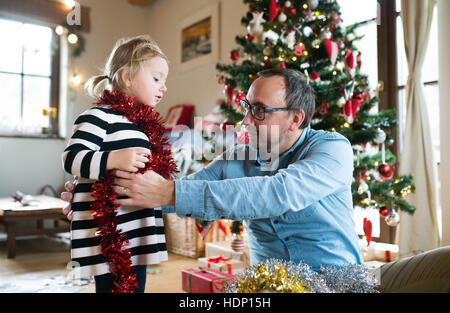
[300,211]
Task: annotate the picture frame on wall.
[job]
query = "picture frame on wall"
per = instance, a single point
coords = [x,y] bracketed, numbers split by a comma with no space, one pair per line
[199,38]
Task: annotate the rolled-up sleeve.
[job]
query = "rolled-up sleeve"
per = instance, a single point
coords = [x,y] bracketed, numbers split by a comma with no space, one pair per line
[325,169]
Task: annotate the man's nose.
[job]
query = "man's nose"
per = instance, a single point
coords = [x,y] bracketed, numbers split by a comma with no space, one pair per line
[248,118]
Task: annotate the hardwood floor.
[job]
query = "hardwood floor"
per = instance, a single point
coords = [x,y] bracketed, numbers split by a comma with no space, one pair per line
[50,256]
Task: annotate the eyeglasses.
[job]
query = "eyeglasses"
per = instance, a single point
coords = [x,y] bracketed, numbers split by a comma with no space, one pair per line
[259,112]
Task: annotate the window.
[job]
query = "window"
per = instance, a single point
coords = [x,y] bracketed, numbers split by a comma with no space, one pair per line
[29,65]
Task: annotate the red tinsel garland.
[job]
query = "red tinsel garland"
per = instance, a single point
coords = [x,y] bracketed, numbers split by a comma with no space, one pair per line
[103,209]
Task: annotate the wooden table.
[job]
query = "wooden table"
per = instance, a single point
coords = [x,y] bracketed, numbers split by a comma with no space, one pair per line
[45,207]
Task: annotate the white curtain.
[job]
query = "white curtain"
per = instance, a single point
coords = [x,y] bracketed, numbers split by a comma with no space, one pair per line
[419,232]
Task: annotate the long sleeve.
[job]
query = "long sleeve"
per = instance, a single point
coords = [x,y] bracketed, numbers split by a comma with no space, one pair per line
[326,169]
[213,171]
[83,157]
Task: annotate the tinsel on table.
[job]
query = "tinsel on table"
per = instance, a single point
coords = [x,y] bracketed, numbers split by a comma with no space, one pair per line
[282,276]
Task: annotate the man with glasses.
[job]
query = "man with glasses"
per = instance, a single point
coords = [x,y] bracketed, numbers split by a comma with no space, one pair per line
[295,206]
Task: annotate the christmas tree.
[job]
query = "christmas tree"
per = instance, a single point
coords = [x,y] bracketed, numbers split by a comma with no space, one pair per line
[308,35]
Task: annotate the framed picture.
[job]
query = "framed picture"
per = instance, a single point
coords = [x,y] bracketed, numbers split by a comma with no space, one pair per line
[199,42]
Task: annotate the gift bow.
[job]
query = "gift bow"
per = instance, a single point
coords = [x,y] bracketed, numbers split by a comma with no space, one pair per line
[220,259]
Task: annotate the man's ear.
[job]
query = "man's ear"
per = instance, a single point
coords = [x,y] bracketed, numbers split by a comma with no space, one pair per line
[297,119]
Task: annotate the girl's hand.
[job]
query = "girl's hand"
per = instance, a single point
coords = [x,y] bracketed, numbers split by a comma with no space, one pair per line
[129,160]
[68,196]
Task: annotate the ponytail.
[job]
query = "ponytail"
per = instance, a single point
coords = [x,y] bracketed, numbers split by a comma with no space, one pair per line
[92,84]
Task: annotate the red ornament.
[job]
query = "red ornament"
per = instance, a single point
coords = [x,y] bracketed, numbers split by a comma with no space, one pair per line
[234,55]
[239,96]
[386,171]
[267,63]
[332,49]
[314,76]
[298,49]
[103,210]
[324,108]
[291,11]
[229,92]
[249,37]
[367,226]
[384,211]
[282,65]
[272,10]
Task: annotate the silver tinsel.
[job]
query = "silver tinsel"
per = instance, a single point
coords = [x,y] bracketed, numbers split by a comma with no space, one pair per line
[352,278]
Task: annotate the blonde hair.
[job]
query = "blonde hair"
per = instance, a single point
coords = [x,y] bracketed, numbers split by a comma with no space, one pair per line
[127,52]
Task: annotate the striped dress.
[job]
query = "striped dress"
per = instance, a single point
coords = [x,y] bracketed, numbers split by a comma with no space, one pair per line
[98,131]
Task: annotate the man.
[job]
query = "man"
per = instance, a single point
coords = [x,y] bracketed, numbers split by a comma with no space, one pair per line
[297,206]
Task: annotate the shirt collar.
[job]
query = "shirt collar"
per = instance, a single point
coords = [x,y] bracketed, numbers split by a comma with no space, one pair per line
[293,148]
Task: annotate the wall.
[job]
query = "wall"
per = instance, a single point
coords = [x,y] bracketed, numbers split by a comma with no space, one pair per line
[29,164]
[444,96]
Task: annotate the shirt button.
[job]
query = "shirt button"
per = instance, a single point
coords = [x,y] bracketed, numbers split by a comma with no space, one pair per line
[276,222]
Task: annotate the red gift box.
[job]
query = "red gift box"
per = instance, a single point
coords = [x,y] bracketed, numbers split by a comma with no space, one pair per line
[204,280]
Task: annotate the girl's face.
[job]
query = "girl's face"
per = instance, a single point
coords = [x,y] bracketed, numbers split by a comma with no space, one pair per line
[149,85]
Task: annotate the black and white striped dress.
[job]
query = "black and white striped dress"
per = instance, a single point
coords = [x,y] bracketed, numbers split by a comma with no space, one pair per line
[98,131]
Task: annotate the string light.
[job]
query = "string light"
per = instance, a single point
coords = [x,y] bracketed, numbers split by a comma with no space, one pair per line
[59,30]
[72,38]
[305,6]
[69,3]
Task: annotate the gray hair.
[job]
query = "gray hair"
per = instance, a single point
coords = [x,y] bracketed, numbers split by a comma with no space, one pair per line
[299,94]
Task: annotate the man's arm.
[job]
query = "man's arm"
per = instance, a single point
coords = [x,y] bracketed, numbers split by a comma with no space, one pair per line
[326,169]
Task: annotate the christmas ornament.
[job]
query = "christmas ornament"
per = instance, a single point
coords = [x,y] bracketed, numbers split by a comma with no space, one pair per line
[315,76]
[392,219]
[290,40]
[298,49]
[350,63]
[332,49]
[386,171]
[239,96]
[249,37]
[255,28]
[384,211]
[326,34]
[355,104]
[291,11]
[103,209]
[288,4]
[380,136]
[272,10]
[363,187]
[313,4]
[266,51]
[307,31]
[282,65]
[358,59]
[324,108]
[282,17]
[234,55]
[348,111]
[229,93]
[367,226]
[237,245]
[203,227]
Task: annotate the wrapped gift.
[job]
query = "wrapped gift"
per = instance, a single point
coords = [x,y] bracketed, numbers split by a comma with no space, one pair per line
[222,264]
[204,280]
[223,248]
[379,251]
[183,238]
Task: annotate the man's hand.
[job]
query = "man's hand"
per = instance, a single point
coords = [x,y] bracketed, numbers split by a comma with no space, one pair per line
[148,190]
[68,196]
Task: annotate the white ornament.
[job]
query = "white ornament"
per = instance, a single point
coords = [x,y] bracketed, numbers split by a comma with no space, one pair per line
[363,187]
[282,17]
[255,28]
[307,31]
[313,4]
[290,40]
[380,137]
[341,102]
[392,219]
[288,4]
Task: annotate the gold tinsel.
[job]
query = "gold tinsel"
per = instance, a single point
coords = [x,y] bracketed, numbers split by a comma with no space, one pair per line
[271,279]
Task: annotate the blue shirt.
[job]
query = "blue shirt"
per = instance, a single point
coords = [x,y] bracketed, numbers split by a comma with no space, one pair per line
[301,210]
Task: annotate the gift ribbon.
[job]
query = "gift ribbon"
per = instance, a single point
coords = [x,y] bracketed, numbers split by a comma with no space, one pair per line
[220,259]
